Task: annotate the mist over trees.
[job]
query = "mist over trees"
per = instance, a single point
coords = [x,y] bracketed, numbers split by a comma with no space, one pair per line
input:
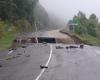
[46,20]
[56,22]
[41,17]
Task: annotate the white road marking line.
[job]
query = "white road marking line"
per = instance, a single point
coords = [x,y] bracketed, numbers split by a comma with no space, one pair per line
[50,56]
[10,52]
[98,52]
[45,64]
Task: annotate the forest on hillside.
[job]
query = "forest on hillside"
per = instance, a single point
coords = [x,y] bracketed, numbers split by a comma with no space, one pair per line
[16,16]
[88,29]
[17,13]
[21,16]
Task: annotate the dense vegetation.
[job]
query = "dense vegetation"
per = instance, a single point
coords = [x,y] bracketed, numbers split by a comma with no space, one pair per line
[88,29]
[12,10]
[7,34]
[21,16]
[16,16]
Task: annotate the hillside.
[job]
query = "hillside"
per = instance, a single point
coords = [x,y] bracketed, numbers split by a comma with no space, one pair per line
[41,17]
[16,16]
[20,18]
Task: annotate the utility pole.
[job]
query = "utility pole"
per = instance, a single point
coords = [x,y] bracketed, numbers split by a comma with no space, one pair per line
[36,30]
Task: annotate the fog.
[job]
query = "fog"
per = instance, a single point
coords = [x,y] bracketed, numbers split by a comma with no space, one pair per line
[66,9]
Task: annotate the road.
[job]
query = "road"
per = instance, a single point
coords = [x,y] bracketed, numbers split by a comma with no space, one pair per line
[63,64]
[74,64]
[24,67]
[71,64]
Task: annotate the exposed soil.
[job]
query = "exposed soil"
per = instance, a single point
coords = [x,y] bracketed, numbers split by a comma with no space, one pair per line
[75,38]
[60,37]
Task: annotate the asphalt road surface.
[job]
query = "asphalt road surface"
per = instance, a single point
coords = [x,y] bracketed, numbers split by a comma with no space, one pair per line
[63,64]
[23,67]
[74,64]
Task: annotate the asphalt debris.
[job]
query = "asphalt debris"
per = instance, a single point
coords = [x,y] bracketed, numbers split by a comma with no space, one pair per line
[1,66]
[59,47]
[42,67]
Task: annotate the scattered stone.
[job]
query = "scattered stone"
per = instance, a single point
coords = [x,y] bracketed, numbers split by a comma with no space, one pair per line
[42,67]
[71,47]
[1,66]
[67,47]
[14,57]
[27,55]
[19,54]
[59,47]
[24,46]
[81,46]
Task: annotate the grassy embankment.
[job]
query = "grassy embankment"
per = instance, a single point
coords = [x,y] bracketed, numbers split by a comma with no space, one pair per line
[85,38]
[7,35]
[6,41]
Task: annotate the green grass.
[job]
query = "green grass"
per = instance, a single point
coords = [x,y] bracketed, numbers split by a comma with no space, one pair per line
[86,38]
[6,41]
[7,34]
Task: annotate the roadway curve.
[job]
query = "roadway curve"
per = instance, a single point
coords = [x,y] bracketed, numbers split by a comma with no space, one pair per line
[64,64]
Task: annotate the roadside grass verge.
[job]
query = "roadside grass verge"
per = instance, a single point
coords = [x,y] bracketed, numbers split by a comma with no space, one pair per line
[8,32]
[85,38]
[6,41]
[88,39]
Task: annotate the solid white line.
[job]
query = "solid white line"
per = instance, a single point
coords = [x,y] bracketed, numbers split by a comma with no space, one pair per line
[98,52]
[50,56]
[45,64]
[10,52]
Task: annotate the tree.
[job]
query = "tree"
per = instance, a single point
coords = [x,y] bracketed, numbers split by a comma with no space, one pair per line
[11,10]
[81,20]
[85,25]
[92,24]
[93,19]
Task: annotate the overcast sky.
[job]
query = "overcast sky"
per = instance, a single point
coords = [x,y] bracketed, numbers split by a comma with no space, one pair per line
[66,9]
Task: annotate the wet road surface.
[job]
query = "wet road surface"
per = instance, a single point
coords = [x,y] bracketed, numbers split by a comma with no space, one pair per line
[65,64]
[24,67]
[74,64]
